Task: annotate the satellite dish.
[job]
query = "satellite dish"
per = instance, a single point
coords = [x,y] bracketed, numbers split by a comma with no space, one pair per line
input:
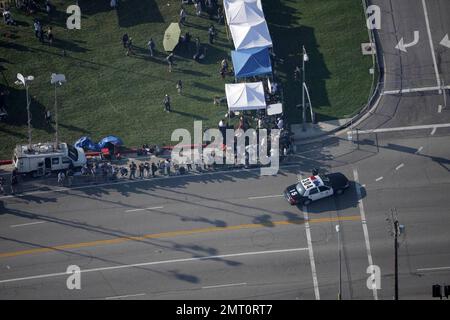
[57,78]
[21,78]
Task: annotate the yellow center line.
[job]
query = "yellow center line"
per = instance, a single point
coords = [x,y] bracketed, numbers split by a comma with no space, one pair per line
[171,234]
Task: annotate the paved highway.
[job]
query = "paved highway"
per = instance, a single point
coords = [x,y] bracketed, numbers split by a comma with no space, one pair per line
[232,236]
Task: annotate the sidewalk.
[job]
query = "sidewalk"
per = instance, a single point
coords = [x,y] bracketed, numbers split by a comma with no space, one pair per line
[318,130]
[50,182]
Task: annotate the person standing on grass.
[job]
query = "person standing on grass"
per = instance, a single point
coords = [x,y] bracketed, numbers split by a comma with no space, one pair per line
[170,61]
[198,7]
[113,4]
[211,34]
[219,15]
[183,16]
[179,87]
[48,117]
[224,65]
[129,47]
[37,28]
[125,39]
[151,46]
[166,103]
[50,36]
[197,45]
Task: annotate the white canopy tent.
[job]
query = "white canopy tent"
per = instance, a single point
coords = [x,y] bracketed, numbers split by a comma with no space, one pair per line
[248,36]
[228,3]
[245,96]
[243,11]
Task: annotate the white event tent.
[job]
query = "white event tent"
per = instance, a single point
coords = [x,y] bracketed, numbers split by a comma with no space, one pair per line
[245,96]
[248,36]
[239,12]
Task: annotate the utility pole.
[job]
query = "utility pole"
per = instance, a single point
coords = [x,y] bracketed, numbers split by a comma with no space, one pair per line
[340,263]
[304,59]
[56,120]
[21,80]
[396,233]
[57,79]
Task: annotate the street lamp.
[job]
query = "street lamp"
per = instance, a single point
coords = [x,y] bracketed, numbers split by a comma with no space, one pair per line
[21,80]
[57,79]
[340,268]
[305,58]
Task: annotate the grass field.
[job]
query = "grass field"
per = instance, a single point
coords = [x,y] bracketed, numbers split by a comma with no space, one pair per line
[110,93]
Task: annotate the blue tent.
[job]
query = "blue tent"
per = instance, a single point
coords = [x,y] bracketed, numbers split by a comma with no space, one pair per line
[87,144]
[251,62]
[110,139]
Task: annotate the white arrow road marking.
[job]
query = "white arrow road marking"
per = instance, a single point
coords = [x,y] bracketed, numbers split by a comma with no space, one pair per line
[445,42]
[402,46]
[433,131]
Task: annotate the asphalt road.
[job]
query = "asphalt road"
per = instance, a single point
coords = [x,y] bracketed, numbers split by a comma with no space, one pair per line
[232,236]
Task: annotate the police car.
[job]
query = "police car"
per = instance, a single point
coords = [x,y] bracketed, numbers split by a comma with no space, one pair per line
[316,187]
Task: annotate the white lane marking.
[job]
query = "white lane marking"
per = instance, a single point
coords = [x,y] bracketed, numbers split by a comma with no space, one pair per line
[433,55]
[26,224]
[399,166]
[226,285]
[412,90]
[311,254]
[419,150]
[127,181]
[434,269]
[433,131]
[126,296]
[152,263]
[379,179]
[439,108]
[264,197]
[364,225]
[144,209]
[421,127]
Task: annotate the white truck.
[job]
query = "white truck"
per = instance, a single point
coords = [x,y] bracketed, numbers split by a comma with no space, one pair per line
[43,158]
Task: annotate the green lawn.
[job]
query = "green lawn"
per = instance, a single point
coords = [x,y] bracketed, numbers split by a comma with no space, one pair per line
[110,93]
[332,31]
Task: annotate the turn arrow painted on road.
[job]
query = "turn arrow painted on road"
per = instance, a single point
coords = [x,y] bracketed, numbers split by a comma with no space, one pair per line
[402,46]
[445,42]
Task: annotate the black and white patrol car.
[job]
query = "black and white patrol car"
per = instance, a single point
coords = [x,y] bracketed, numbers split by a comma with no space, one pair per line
[316,187]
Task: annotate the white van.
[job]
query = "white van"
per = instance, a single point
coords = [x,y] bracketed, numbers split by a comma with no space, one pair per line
[43,158]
